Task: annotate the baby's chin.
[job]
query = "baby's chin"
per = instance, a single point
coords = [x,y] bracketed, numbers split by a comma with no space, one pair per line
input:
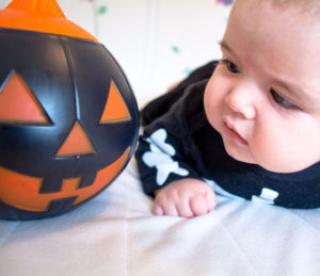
[237,155]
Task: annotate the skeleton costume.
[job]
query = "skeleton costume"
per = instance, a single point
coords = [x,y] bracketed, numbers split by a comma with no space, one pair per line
[178,142]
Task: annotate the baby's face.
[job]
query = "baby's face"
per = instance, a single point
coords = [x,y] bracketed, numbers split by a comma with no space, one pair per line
[264,96]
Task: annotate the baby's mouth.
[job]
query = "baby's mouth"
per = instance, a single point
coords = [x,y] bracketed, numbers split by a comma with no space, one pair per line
[233,134]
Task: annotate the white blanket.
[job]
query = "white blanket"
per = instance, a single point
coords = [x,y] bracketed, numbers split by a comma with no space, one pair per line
[115,234]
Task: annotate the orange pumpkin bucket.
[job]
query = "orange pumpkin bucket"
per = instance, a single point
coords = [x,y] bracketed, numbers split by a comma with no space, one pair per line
[68,117]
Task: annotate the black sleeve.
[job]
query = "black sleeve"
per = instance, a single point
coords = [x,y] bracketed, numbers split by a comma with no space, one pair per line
[163,153]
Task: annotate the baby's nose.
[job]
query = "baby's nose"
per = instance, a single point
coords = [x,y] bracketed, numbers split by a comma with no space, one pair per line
[241,102]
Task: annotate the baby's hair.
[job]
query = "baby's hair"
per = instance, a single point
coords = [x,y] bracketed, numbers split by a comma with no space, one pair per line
[304,6]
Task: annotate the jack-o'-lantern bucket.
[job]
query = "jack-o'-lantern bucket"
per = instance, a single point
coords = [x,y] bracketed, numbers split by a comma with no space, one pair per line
[68,117]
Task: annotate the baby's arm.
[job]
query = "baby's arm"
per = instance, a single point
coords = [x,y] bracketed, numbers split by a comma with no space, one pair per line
[187,197]
[178,189]
[166,155]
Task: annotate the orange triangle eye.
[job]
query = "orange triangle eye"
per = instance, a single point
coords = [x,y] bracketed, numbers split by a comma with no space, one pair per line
[115,109]
[77,143]
[17,103]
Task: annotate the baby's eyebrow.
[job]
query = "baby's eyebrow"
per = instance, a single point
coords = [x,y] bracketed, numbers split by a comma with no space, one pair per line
[224,45]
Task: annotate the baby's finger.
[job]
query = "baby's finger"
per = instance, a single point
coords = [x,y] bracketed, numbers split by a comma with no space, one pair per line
[183,208]
[169,209]
[198,205]
[167,205]
[157,210]
[211,200]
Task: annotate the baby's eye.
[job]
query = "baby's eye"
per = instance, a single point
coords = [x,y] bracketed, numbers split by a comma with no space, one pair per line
[231,67]
[282,101]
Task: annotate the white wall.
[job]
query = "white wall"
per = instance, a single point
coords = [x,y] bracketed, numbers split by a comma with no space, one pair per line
[157,42]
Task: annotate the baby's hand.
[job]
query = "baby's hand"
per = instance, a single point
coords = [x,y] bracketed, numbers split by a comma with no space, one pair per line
[187,198]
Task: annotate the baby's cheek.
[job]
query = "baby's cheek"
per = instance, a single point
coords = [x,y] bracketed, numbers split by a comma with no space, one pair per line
[282,153]
[209,110]
[213,110]
[268,151]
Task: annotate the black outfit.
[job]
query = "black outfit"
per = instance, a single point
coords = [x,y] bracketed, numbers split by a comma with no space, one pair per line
[179,142]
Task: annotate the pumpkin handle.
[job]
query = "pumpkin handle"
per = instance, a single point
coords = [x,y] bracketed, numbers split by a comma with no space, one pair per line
[44,16]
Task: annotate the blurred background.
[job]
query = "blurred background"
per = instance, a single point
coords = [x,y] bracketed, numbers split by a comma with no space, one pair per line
[156,42]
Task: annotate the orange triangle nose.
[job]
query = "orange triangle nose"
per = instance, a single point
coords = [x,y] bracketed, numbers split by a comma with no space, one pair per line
[77,143]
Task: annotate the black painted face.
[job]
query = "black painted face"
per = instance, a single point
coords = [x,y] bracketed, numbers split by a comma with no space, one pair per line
[73,84]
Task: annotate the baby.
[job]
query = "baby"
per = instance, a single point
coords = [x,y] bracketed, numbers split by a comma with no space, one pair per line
[252,127]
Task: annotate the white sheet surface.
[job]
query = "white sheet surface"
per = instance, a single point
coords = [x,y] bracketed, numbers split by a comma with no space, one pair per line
[115,234]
